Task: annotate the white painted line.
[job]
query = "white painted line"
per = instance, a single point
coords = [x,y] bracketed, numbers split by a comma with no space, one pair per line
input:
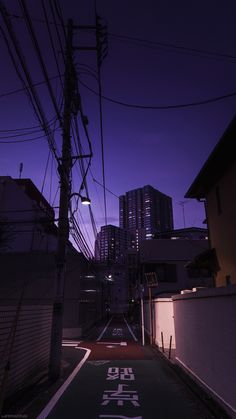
[112,343]
[108,343]
[105,328]
[45,412]
[131,331]
[119,417]
[72,345]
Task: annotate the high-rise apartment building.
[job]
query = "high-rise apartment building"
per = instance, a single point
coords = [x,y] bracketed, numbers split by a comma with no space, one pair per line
[144,212]
[111,244]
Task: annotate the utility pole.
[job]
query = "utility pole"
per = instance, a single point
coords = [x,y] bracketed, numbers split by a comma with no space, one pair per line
[70,96]
[63,223]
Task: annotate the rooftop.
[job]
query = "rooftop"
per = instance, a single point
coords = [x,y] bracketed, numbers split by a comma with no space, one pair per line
[221,158]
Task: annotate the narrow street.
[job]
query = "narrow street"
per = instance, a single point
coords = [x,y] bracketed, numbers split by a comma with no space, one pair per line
[118,378]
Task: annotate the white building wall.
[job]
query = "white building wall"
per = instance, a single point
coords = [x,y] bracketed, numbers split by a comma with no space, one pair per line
[163,321]
[206,340]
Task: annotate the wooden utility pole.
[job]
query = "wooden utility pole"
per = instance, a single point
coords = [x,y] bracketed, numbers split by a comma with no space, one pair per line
[70,93]
[63,223]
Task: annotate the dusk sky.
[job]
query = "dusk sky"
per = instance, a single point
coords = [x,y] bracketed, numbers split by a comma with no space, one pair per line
[164,148]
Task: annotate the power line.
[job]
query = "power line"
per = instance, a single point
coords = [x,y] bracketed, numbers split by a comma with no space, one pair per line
[159,107]
[179,48]
[57,31]
[13,92]
[100,40]
[24,141]
[51,40]
[34,99]
[84,172]
[108,190]
[147,42]
[50,122]
[22,134]
[40,57]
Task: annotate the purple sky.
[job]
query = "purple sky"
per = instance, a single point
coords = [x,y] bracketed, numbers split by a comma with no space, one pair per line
[163,148]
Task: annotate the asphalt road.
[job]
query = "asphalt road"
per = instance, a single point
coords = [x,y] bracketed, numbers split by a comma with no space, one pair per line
[118,378]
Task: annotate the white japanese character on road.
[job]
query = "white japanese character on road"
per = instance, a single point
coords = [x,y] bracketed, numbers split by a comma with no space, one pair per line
[120,396]
[125,374]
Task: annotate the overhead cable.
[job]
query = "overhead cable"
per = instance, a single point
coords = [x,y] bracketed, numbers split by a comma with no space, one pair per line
[40,57]
[51,41]
[35,101]
[159,107]
[13,92]
[179,48]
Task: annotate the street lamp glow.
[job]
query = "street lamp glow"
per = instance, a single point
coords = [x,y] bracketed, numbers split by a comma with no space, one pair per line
[85,200]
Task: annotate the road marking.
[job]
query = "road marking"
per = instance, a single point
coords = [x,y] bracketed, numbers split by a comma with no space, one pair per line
[117,332]
[97,363]
[72,345]
[45,412]
[112,343]
[131,332]
[120,417]
[105,328]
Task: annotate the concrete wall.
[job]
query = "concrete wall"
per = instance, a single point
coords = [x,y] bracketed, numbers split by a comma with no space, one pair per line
[163,321]
[206,340]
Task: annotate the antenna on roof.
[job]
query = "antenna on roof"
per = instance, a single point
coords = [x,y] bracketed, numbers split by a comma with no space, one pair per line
[20,170]
[182,203]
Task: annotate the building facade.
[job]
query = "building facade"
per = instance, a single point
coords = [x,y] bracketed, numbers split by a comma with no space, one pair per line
[215,185]
[193,233]
[26,218]
[169,260]
[144,212]
[111,244]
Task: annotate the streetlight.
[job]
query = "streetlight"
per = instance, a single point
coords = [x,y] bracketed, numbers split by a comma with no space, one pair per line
[84,199]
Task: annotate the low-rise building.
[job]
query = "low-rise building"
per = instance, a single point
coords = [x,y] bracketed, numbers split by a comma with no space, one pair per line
[26,217]
[215,185]
[169,260]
